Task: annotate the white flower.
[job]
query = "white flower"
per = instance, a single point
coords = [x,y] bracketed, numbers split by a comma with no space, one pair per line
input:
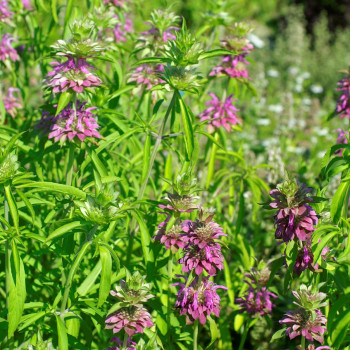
[273,73]
[316,89]
[275,108]
[256,41]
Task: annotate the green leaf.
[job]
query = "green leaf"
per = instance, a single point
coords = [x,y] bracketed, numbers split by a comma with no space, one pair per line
[54,10]
[145,237]
[64,99]
[27,203]
[106,275]
[278,335]
[98,164]
[215,53]
[113,254]
[61,230]
[146,157]
[13,207]
[30,319]
[153,60]
[187,125]
[339,200]
[213,333]
[322,244]
[17,293]
[62,334]
[53,186]
[121,91]
[90,280]
[340,329]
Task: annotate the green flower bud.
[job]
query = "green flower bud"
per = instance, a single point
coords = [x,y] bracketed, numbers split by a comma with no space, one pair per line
[8,167]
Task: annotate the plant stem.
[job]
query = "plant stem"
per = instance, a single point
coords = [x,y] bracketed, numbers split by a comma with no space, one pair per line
[244,336]
[125,342]
[302,343]
[71,273]
[211,166]
[150,167]
[156,146]
[195,335]
[170,278]
[70,163]
[7,254]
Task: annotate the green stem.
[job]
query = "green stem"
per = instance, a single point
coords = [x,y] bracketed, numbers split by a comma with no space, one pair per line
[170,278]
[7,254]
[71,273]
[150,167]
[302,343]
[70,162]
[211,166]
[195,335]
[125,342]
[244,336]
[156,146]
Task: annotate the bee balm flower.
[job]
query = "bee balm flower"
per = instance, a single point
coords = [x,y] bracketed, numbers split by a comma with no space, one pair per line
[6,49]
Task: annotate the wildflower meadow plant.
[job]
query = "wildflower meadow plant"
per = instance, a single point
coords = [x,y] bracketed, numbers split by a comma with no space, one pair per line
[137,144]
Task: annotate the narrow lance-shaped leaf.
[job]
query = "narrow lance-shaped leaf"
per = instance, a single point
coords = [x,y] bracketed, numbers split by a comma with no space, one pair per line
[106,275]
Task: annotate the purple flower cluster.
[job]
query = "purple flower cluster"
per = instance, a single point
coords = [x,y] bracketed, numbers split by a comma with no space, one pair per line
[132,319]
[122,28]
[130,344]
[201,252]
[198,300]
[72,75]
[11,102]
[5,12]
[257,299]
[147,75]
[302,323]
[295,220]
[341,139]
[117,3]
[233,66]
[220,113]
[6,49]
[71,123]
[343,103]
[155,33]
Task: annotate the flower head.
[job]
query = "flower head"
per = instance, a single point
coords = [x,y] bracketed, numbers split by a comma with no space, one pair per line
[232,66]
[70,123]
[202,232]
[132,319]
[148,75]
[256,301]
[6,49]
[179,203]
[130,344]
[296,222]
[308,298]
[11,102]
[198,300]
[117,3]
[306,324]
[341,139]
[343,103]
[122,28]
[133,291]
[171,239]
[27,5]
[74,74]
[220,113]
[304,260]
[5,12]
[208,258]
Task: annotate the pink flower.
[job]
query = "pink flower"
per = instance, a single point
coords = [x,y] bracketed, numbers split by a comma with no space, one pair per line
[147,75]
[305,259]
[178,203]
[70,124]
[132,319]
[209,259]
[341,139]
[256,301]
[5,13]
[220,113]
[233,66]
[121,29]
[343,103]
[72,75]
[11,102]
[117,3]
[6,49]
[27,5]
[171,239]
[156,34]
[306,324]
[198,300]
[201,232]
[130,344]
[296,222]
